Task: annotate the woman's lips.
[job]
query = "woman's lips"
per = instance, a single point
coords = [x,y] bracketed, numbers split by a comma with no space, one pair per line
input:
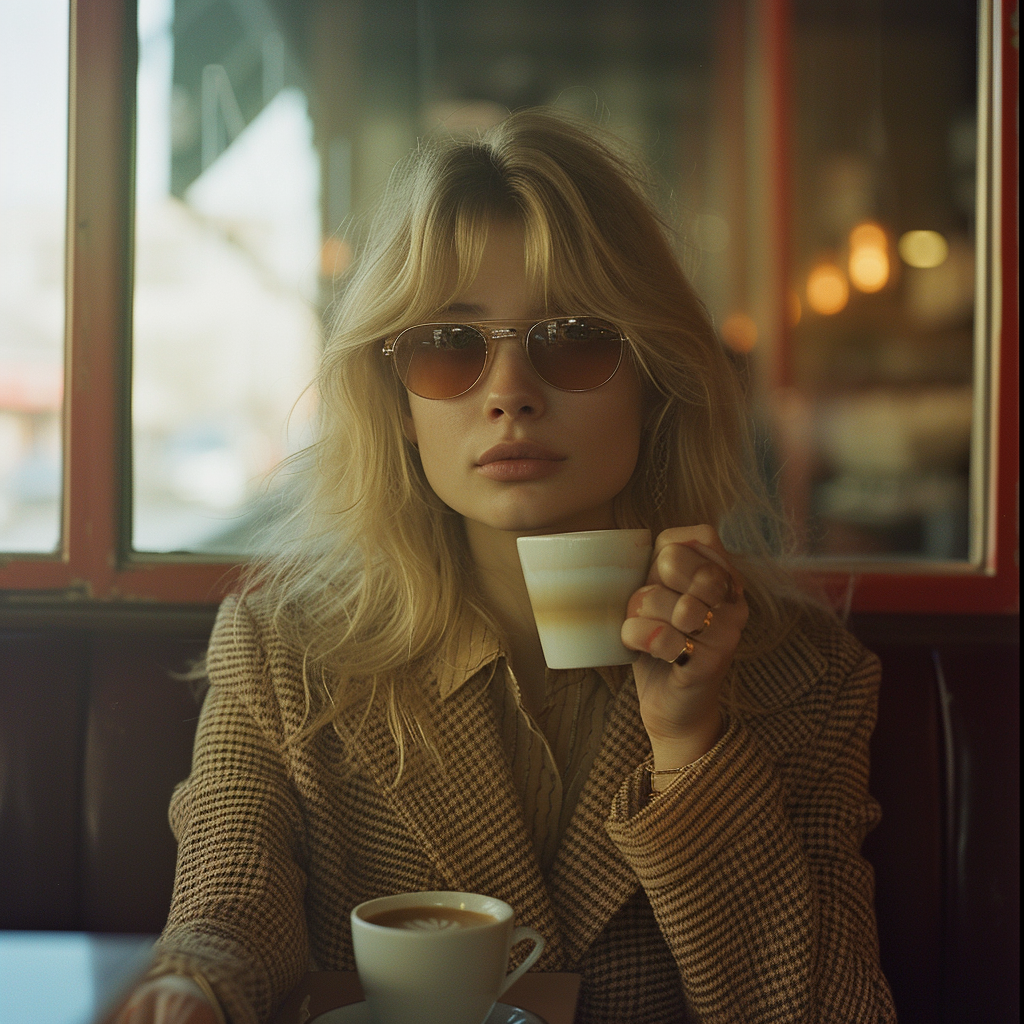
[518,460]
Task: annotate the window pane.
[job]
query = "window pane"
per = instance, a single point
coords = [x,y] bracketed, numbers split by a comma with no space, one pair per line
[874,394]
[227,250]
[33,202]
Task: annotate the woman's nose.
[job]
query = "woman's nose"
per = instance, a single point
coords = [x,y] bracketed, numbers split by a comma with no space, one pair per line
[511,384]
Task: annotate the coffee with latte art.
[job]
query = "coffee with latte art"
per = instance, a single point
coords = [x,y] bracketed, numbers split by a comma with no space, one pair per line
[426,918]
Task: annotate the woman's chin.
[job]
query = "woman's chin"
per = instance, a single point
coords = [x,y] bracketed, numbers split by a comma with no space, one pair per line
[537,521]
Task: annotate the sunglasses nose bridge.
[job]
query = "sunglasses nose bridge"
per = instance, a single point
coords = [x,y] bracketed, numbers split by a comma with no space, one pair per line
[498,333]
[502,333]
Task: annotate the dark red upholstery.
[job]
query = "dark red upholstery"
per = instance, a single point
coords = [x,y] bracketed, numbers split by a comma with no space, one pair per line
[43,692]
[95,732]
[945,767]
[138,745]
[982,933]
[907,848]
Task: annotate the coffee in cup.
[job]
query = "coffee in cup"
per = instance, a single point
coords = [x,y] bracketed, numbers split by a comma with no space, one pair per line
[424,917]
[579,584]
[437,957]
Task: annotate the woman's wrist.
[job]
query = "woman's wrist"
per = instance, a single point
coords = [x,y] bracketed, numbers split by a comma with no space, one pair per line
[672,754]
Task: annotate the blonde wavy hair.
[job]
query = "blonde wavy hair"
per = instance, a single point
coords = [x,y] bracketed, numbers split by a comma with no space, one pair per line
[371,573]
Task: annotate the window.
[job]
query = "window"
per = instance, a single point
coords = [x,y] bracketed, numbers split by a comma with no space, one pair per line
[227,244]
[833,171]
[33,202]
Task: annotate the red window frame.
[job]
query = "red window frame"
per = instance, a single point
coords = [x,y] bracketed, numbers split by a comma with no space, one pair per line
[95,562]
[994,585]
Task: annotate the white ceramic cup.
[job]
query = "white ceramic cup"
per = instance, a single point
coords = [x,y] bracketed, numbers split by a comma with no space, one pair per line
[430,970]
[579,584]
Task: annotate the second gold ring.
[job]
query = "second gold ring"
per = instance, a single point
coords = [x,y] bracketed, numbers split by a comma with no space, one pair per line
[709,615]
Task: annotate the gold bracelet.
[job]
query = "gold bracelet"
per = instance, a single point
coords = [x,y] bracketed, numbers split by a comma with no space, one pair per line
[648,766]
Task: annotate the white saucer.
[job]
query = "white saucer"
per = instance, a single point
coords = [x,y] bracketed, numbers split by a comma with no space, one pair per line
[359,1013]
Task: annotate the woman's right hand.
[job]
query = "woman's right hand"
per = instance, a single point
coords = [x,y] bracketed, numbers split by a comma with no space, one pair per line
[171,999]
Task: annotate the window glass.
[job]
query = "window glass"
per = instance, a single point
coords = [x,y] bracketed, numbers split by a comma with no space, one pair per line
[226,262]
[832,237]
[873,400]
[33,202]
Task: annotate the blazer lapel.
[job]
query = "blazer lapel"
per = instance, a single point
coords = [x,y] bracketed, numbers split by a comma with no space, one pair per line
[465,811]
[590,880]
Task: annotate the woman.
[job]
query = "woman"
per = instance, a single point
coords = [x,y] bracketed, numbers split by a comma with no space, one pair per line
[685,834]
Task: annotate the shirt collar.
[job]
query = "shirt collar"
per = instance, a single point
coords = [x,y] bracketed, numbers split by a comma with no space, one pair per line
[473,646]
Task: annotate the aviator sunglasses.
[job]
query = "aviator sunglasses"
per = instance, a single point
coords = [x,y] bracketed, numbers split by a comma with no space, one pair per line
[445,360]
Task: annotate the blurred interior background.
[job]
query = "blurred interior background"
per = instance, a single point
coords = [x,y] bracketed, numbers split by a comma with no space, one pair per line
[820,179]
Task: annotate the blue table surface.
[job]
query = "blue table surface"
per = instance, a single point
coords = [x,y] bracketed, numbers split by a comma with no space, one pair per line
[66,977]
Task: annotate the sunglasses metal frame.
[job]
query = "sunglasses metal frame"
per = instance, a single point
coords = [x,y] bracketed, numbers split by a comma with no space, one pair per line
[499,330]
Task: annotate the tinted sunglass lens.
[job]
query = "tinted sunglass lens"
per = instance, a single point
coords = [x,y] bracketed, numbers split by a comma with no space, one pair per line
[440,360]
[575,353]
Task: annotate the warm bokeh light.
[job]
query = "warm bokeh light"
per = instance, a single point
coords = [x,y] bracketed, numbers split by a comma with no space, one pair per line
[923,249]
[827,290]
[869,257]
[868,235]
[869,269]
[739,332]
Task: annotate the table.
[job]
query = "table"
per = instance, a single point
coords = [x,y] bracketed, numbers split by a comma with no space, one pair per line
[550,996]
[66,977]
[77,978]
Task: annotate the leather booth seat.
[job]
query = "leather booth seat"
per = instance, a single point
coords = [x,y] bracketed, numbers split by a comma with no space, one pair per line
[96,729]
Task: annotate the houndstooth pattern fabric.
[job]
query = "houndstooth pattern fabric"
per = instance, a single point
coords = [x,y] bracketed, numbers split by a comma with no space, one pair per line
[738,895]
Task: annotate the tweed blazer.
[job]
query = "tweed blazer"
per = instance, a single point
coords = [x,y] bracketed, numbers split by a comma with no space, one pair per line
[738,895]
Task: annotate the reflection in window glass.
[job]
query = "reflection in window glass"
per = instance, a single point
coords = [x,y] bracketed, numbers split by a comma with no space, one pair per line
[226,263]
[873,400]
[33,201]
[267,128]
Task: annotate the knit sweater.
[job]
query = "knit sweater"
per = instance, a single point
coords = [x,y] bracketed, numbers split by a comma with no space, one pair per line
[737,895]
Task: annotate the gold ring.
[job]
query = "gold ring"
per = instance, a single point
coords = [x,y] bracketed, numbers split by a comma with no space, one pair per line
[684,655]
[704,625]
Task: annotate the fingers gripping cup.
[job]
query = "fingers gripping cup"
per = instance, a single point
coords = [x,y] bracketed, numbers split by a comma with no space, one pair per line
[579,584]
[437,957]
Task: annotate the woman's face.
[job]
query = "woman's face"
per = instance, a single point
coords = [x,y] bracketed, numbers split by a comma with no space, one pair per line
[577,450]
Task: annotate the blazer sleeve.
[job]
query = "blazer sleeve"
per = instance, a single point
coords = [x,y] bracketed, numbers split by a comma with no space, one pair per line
[751,862]
[237,915]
